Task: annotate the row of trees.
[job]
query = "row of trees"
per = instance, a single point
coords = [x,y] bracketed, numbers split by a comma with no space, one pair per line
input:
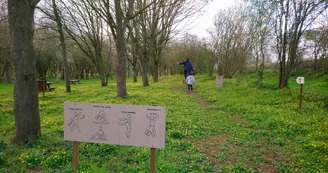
[253,31]
[87,34]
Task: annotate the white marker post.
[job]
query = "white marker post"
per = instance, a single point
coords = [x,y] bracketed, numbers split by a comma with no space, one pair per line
[115,124]
[300,80]
[219,82]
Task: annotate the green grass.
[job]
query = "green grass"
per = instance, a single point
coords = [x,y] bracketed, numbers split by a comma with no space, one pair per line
[241,128]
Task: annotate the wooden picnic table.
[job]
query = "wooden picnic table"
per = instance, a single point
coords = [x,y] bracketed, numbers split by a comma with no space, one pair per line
[48,84]
[43,85]
[74,81]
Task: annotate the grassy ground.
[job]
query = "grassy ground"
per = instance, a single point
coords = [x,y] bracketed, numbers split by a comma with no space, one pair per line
[241,128]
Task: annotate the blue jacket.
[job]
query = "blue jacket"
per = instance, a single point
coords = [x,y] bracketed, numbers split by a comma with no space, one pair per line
[187,66]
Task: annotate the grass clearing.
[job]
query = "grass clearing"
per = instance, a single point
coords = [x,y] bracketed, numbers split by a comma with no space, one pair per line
[241,128]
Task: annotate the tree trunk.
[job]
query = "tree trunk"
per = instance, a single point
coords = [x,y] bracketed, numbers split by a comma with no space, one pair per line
[102,79]
[211,65]
[281,74]
[100,66]
[135,73]
[62,45]
[121,68]
[26,105]
[129,71]
[86,74]
[82,73]
[8,63]
[144,75]
[155,73]
[121,51]
[106,80]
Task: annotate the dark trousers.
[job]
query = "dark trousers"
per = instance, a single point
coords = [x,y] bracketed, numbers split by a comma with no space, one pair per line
[189,87]
[186,73]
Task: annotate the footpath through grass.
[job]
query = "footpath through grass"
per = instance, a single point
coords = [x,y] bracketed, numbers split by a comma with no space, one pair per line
[241,128]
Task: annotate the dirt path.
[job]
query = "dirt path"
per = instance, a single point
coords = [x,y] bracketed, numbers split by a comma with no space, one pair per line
[198,99]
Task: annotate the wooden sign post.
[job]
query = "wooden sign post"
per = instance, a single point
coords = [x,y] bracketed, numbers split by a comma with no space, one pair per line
[152,160]
[300,80]
[115,124]
[75,160]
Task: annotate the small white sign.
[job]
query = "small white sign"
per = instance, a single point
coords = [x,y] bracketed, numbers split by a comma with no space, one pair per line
[115,124]
[219,81]
[300,80]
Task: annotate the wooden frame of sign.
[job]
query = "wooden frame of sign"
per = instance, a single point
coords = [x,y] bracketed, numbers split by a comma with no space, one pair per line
[114,124]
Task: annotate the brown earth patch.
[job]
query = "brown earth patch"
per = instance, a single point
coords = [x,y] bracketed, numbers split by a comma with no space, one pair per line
[212,146]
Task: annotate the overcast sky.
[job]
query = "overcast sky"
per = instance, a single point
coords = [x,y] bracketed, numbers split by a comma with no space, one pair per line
[202,23]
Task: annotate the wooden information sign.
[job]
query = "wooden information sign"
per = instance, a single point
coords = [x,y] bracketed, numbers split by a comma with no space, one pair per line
[115,124]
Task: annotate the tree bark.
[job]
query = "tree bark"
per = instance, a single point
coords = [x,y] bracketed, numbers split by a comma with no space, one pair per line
[121,69]
[86,74]
[100,65]
[26,105]
[62,45]
[135,73]
[144,74]
[121,51]
[155,73]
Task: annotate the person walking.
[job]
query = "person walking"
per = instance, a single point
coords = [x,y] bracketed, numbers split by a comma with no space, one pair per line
[190,80]
[188,68]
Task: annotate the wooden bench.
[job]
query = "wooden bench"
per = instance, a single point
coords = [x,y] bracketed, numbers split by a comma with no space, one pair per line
[48,86]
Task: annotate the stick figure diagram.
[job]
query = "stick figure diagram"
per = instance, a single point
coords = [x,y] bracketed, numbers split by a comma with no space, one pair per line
[75,121]
[101,118]
[151,130]
[127,123]
[100,135]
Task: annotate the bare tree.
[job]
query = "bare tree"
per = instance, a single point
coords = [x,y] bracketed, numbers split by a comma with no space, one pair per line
[134,51]
[44,43]
[26,109]
[317,39]
[117,15]
[232,41]
[291,19]
[85,27]
[57,18]
[160,20]
[151,30]
[259,16]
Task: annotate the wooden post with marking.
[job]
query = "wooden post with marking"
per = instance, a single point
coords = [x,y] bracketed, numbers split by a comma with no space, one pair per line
[75,160]
[152,160]
[300,100]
